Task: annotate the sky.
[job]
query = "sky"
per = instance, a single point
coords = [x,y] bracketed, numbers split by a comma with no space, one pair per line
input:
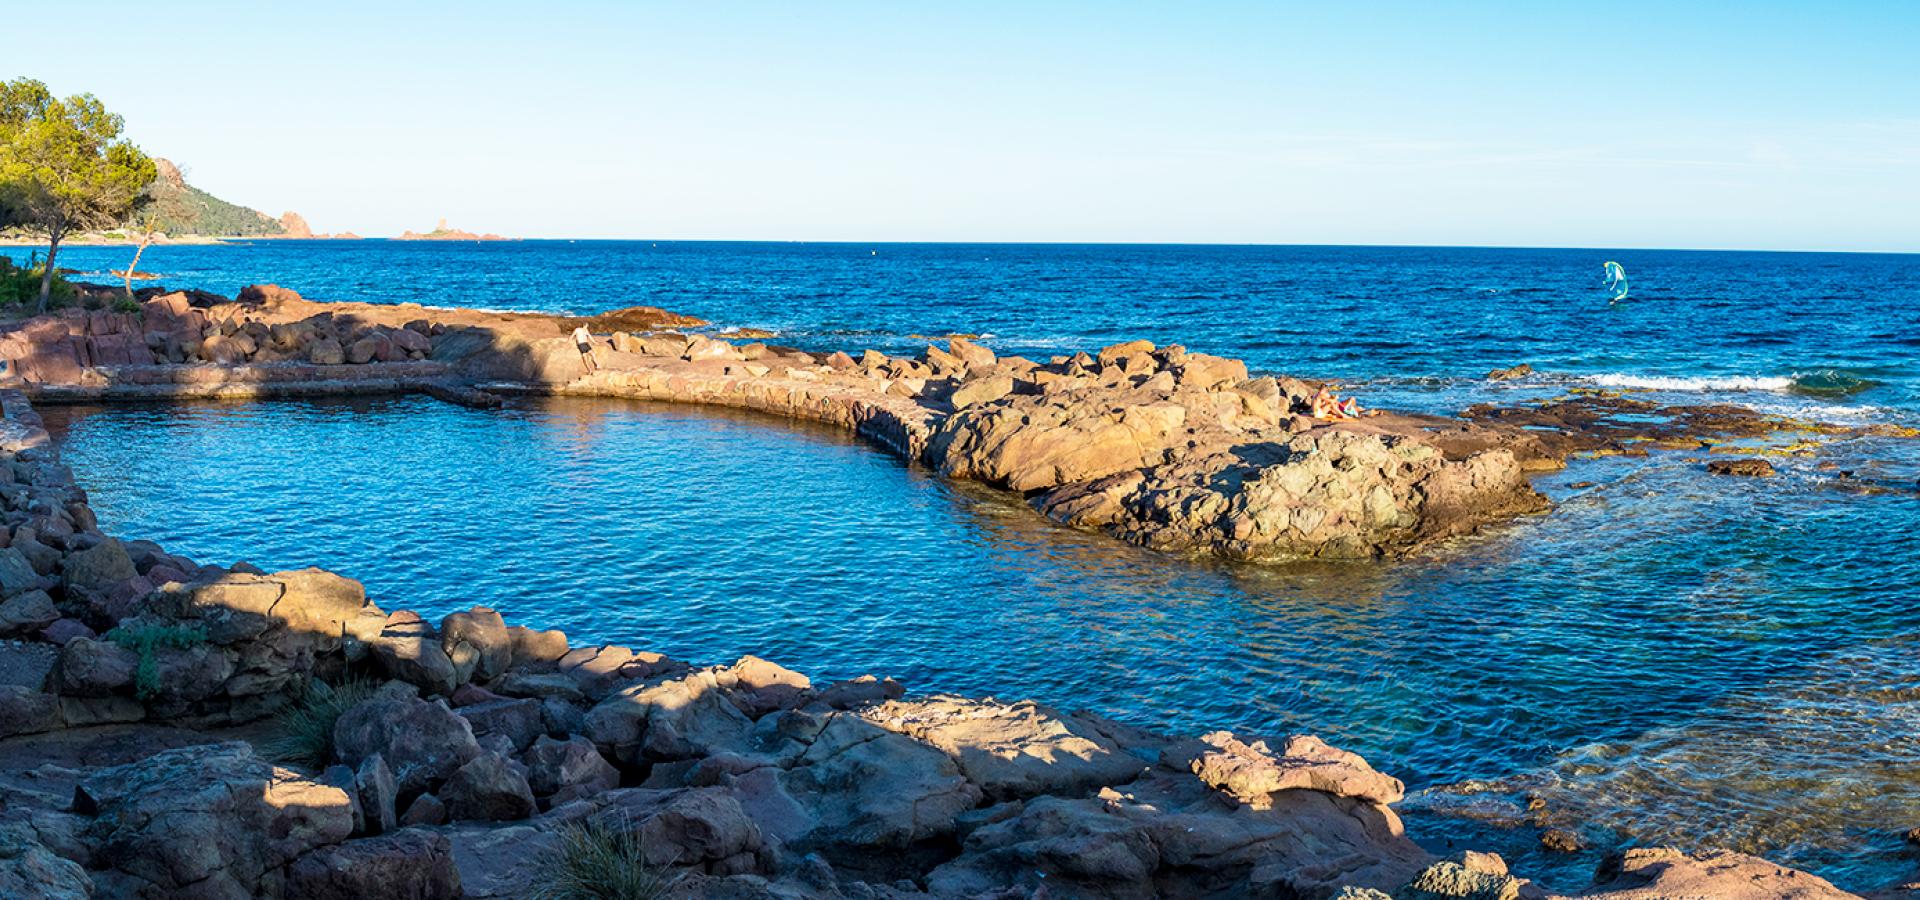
[1753,125]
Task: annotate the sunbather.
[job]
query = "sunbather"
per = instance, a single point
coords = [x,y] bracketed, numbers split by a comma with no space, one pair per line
[1328,405]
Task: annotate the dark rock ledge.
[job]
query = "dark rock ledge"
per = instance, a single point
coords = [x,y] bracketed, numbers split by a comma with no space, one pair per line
[139,689]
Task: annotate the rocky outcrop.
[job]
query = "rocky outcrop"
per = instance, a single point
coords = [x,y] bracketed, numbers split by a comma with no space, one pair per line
[421,742]
[211,821]
[413,863]
[1663,874]
[29,869]
[1169,449]
[294,225]
[441,232]
[1163,447]
[485,745]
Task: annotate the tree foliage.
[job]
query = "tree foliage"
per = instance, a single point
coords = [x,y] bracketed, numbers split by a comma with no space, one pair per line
[181,208]
[64,166]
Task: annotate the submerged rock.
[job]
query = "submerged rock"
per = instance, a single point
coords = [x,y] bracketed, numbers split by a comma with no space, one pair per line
[1746,466]
[1666,874]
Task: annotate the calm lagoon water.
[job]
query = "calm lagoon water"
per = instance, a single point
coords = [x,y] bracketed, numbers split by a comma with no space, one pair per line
[1665,657]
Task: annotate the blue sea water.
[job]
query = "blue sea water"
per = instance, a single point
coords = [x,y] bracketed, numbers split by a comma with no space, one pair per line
[1664,658]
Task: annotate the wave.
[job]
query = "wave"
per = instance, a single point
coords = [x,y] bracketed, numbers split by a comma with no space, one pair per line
[1672,383]
[1825,383]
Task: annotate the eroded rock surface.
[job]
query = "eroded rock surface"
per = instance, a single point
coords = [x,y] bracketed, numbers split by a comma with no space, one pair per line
[206,821]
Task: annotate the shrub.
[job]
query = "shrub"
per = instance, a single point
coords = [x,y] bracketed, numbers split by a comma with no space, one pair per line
[305,729]
[20,285]
[145,638]
[597,861]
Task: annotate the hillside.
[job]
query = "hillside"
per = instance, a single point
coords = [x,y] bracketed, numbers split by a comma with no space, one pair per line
[180,208]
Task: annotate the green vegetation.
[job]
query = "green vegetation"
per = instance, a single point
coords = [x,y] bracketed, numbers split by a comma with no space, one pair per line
[598,861]
[20,286]
[146,638]
[181,208]
[64,167]
[306,728]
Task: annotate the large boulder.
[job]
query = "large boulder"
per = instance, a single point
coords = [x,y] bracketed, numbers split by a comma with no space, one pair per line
[856,784]
[407,648]
[413,863]
[326,351]
[207,820]
[1169,835]
[1037,442]
[489,788]
[519,721]
[26,710]
[1252,774]
[93,668]
[600,671]
[1324,494]
[759,687]
[240,605]
[669,719]
[1011,750]
[27,612]
[982,391]
[970,354]
[17,573]
[568,770]
[422,742]
[703,829]
[98,567]
[477,643]
[535,650]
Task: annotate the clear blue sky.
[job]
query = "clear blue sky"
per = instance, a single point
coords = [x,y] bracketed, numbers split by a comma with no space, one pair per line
[1760,125]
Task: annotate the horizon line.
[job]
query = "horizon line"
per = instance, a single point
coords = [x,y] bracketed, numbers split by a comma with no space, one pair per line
[1068,243]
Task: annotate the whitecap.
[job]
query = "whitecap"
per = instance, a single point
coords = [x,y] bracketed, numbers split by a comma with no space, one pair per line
[1673,383]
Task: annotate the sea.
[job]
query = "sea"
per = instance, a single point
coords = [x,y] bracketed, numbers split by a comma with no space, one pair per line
[1665,658]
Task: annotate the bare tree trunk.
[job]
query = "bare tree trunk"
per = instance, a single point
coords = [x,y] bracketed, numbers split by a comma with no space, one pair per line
[145,239]
[46,277]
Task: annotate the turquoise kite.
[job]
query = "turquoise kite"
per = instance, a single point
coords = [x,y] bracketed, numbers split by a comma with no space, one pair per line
[1616,281]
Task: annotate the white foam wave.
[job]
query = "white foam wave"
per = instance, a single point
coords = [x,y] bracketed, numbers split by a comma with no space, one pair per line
[1669,383]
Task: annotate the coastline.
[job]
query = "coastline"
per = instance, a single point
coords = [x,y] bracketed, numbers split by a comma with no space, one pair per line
[1285,795]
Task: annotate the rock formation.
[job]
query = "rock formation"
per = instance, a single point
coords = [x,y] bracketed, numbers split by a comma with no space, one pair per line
[468,752]
[1162,447]
[441,232]
[293,225]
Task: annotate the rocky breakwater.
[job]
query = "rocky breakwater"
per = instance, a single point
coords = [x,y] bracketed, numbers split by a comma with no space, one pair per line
[1163,447]
[271,340]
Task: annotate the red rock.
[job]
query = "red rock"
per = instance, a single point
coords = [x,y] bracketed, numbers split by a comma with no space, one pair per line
[267,293]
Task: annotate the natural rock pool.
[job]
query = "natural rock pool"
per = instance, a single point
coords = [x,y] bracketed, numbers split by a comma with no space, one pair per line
[1665,658]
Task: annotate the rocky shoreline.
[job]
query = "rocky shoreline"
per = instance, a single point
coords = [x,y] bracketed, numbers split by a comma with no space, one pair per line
[147,699]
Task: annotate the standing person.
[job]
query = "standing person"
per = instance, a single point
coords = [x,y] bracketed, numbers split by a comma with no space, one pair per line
[583,339]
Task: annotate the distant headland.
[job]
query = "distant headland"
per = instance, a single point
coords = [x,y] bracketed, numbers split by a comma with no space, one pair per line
[180,213]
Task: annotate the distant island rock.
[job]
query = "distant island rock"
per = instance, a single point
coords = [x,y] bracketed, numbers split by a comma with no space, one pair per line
[442,233]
